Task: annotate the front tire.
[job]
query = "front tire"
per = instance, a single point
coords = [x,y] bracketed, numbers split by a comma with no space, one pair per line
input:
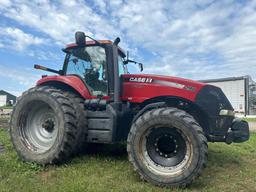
[44,126]
[167,147]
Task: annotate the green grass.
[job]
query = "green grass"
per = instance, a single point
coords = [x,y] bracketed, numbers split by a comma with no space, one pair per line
[230,168]
[249,119]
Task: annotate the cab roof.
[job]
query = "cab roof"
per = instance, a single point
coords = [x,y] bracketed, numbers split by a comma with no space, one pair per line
[73,45]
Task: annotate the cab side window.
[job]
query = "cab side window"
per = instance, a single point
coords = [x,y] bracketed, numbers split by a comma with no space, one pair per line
[90,64]
[122,67]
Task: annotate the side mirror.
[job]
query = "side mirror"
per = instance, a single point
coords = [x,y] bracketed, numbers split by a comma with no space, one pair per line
[141,67]
[80,38]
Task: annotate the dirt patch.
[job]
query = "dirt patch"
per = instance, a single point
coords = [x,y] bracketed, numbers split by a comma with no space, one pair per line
[4,112]
[4,122]
[1,148]
[46,175]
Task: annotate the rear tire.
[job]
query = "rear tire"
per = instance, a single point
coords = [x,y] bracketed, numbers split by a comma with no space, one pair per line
[44,126]
[82,125]
[167,147]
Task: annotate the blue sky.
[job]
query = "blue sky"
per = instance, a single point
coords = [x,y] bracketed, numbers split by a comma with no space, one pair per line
[196,39]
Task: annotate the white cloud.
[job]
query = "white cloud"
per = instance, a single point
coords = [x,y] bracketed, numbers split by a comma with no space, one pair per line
[17,39]
[101,5]
[21,76]
[57,20]
[196,39]
[5,3]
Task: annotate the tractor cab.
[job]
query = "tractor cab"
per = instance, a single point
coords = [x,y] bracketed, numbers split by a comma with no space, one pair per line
[93,64]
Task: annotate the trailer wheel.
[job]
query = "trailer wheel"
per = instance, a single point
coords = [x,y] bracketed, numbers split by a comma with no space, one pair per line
[44,126]
[167,147]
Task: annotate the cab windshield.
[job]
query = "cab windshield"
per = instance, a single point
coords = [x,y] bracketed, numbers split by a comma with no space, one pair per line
[90,64]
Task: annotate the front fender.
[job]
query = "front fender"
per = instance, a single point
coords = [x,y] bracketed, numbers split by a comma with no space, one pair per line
[72,81]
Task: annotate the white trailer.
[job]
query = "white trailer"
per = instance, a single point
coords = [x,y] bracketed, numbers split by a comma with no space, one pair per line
[3,100]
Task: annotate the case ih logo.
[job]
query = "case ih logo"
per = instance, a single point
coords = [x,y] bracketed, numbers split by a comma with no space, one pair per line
[141,79]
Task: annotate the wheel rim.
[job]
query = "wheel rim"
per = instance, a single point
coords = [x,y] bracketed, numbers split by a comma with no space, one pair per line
[40,127]
[166,151]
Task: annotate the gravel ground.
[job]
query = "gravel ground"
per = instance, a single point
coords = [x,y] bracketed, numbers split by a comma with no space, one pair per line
[4,112]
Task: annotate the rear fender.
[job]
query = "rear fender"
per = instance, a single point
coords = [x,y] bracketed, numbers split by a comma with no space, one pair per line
[73,82]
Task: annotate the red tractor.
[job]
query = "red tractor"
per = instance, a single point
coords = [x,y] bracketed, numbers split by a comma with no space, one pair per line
[166,121]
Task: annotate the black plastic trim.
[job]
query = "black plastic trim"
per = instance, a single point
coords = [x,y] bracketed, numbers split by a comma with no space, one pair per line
[147,108]
[211,100]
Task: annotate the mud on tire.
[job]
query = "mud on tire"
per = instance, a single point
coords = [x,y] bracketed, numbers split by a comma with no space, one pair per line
[167,147]
[43,126]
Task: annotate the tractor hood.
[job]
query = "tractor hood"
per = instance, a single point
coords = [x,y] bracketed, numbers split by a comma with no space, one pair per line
[140,87]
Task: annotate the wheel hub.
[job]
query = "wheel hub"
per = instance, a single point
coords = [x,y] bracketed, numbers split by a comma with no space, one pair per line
[48,125]
[166,146]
